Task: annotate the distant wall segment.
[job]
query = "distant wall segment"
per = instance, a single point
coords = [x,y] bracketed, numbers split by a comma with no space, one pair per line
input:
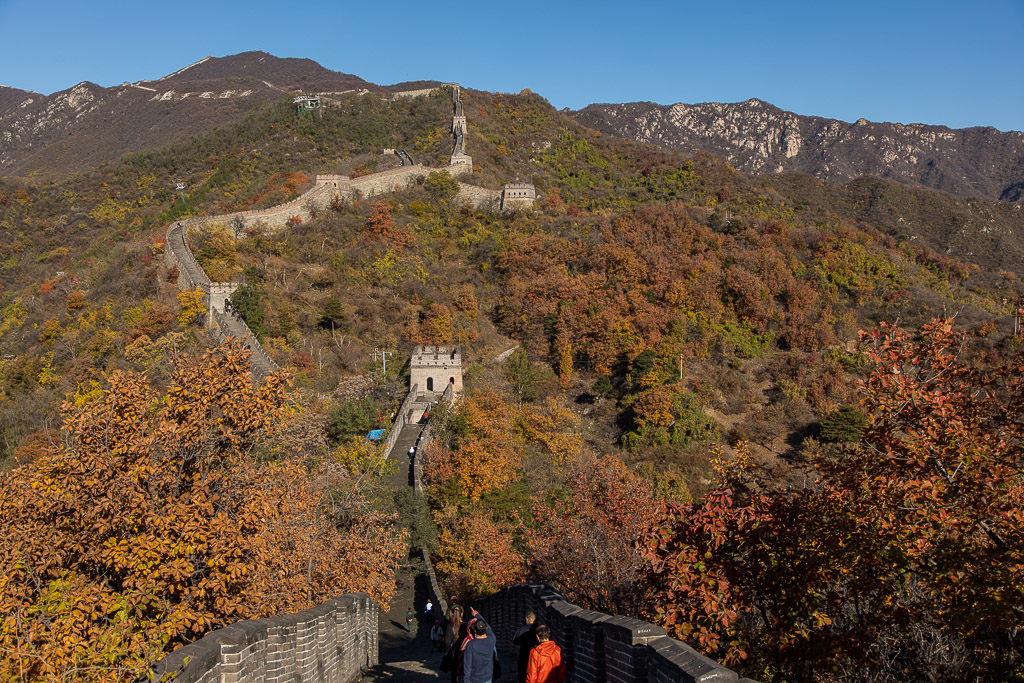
[326,188]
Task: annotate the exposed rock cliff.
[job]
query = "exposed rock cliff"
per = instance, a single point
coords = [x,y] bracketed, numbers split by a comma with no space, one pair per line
[756,137]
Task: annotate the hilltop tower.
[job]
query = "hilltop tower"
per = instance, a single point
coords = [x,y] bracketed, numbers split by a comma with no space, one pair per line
[433,369]
[459,158]
[518,195]
[307,104]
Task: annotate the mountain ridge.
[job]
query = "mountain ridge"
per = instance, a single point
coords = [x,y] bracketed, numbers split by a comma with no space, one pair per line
[758,137]
[52,136]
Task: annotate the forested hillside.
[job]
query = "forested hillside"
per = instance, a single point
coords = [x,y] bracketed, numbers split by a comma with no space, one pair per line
[688,431]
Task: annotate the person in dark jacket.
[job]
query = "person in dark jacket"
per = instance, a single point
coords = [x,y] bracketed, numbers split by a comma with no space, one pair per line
[410,616]
[478,652]
[526,639]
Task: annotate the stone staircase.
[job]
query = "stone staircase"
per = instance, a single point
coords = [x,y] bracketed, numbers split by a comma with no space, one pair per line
[228,324]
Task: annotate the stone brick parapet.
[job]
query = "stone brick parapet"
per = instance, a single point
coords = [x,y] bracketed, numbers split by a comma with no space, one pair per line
[479,197]
[401,418]
[227,324]
[330,643]
[413,93]
[599,647]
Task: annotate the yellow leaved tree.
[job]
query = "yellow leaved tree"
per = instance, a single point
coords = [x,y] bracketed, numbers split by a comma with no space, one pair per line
[151,522]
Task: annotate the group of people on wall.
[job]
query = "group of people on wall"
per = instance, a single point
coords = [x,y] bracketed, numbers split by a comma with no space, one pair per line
[471,649]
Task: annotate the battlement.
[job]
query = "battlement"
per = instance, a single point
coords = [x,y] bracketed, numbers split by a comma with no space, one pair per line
[516,195]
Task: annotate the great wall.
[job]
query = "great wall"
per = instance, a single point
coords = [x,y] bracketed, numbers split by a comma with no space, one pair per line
[326,189]
[337,641]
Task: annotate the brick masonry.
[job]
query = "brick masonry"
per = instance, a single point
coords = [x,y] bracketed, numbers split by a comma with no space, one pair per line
[599,647]
[330,643]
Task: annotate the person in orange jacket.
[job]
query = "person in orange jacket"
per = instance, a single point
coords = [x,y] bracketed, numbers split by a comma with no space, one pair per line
[546,665]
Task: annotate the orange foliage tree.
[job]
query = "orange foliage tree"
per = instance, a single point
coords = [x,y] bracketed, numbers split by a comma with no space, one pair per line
[380,226]
[477,555]
[904,560]
[486,453]
[584,541]
[151,523]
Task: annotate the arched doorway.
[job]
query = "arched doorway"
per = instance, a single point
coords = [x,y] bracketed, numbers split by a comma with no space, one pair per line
[430,384]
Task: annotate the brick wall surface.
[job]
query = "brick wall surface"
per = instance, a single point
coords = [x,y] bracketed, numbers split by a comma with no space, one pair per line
[330,643]
[599,647]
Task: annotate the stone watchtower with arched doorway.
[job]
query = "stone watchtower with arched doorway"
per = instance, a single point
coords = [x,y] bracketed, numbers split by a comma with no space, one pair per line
[433,369]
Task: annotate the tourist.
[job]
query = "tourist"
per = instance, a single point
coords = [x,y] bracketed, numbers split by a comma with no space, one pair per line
[453,636]
[479,651]
[436,635]
[526,639]
[410,616]
[546,665]
[451,633]
[429,610]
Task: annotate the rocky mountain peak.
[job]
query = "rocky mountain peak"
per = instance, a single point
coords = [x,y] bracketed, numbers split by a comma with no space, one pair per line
[757,137]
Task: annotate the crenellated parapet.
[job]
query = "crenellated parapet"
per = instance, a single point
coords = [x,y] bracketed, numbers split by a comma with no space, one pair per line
[598,646]
[518,195]
[330,643]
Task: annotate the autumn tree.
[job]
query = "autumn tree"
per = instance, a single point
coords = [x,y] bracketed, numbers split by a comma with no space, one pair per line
[484,451]
[434,327]
[584,538]
[149,523]
[380,226]
[905,557]
[475,554]
[214,247]
[193,306]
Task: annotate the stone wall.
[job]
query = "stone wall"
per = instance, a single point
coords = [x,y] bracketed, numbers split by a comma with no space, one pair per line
[218,293]
[413,93]
[599,647]
[331,643]
[389,181]
[479,197]
[227,324]
[176,252]
[401,419]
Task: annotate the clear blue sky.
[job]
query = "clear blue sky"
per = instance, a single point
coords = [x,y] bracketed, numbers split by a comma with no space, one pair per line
[950,63]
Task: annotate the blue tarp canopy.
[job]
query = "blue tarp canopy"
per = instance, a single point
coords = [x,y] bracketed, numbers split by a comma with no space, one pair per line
[376,434]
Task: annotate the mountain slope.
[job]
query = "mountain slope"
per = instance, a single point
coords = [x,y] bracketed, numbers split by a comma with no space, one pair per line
[87,125]
[757,137]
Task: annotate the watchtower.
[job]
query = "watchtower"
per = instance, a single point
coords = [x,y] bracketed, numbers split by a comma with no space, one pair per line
[433,369]
[518,195]
[307,104]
